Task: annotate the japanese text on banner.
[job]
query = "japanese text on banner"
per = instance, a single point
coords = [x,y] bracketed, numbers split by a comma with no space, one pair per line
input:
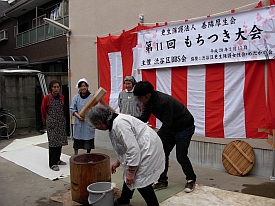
[243,36]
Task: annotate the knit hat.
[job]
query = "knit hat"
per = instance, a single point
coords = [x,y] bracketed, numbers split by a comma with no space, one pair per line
[131,79]
[81,80]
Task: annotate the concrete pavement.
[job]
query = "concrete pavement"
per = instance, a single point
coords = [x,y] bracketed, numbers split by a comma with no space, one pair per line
[20,186]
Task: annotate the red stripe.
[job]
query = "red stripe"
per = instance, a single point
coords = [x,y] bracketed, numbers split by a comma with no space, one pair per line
[214,100]
[104,69]
[271,95]
[254,91]
[254,99]
[179,84]
[124,44]
[260,5]
[150,75]
[128,42]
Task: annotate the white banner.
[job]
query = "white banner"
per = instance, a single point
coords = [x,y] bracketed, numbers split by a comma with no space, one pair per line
[235,37]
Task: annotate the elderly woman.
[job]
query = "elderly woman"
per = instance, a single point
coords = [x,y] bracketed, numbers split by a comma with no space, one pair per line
[52,110]
[139,151]
[127,102]
[83,132]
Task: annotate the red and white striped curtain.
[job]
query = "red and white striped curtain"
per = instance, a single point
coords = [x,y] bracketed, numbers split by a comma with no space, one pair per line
[226,100]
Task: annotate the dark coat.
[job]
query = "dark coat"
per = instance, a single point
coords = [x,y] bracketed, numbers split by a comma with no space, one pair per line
[173,114]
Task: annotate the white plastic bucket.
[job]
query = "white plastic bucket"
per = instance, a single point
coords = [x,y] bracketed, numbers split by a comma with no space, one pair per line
[101,194]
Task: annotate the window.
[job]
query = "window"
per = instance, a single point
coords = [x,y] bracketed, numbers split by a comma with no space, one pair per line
[3,35]
[15,32]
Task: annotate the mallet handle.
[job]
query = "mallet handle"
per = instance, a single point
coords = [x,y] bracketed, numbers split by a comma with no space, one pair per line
[93,101]
[107,106]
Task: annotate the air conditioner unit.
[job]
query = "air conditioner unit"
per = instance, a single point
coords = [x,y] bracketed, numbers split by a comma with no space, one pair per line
[3,35]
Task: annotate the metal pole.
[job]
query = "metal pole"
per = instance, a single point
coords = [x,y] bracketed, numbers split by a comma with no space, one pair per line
[69,79]
[272,177]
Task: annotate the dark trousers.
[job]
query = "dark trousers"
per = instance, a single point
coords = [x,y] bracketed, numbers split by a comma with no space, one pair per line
[54,155]
[182,141]
[147,193]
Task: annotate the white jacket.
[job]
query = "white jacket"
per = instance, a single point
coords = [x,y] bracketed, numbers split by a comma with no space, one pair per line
[136,144]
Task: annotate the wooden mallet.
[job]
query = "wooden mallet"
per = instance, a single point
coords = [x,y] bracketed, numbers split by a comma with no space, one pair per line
[99,94]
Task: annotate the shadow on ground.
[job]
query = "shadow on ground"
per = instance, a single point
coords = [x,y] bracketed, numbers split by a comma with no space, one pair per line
[266,189]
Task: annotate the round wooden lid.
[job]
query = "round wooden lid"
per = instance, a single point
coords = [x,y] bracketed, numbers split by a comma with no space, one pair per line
[238,158]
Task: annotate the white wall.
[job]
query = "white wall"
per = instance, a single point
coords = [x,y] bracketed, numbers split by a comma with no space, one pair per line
[92,18]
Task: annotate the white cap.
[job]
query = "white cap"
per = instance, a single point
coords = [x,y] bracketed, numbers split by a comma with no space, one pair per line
[81,80]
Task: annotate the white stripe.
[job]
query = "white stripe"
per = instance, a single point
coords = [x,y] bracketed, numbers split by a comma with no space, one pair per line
[116,78]
[234,124]
[196,96]
[135,72]
[163,84]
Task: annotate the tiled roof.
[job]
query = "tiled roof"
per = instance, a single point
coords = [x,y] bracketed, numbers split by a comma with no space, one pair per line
[4,6]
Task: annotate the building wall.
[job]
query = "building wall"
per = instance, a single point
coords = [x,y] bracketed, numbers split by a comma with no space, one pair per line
[18,90]
[18,94]
[50,49]
[209,153]
[46,50]
[7,47]
[89,19]
[92,19]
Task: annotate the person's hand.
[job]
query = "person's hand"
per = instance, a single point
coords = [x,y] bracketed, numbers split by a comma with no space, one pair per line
[80,118]
[130,177]
[114,166]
